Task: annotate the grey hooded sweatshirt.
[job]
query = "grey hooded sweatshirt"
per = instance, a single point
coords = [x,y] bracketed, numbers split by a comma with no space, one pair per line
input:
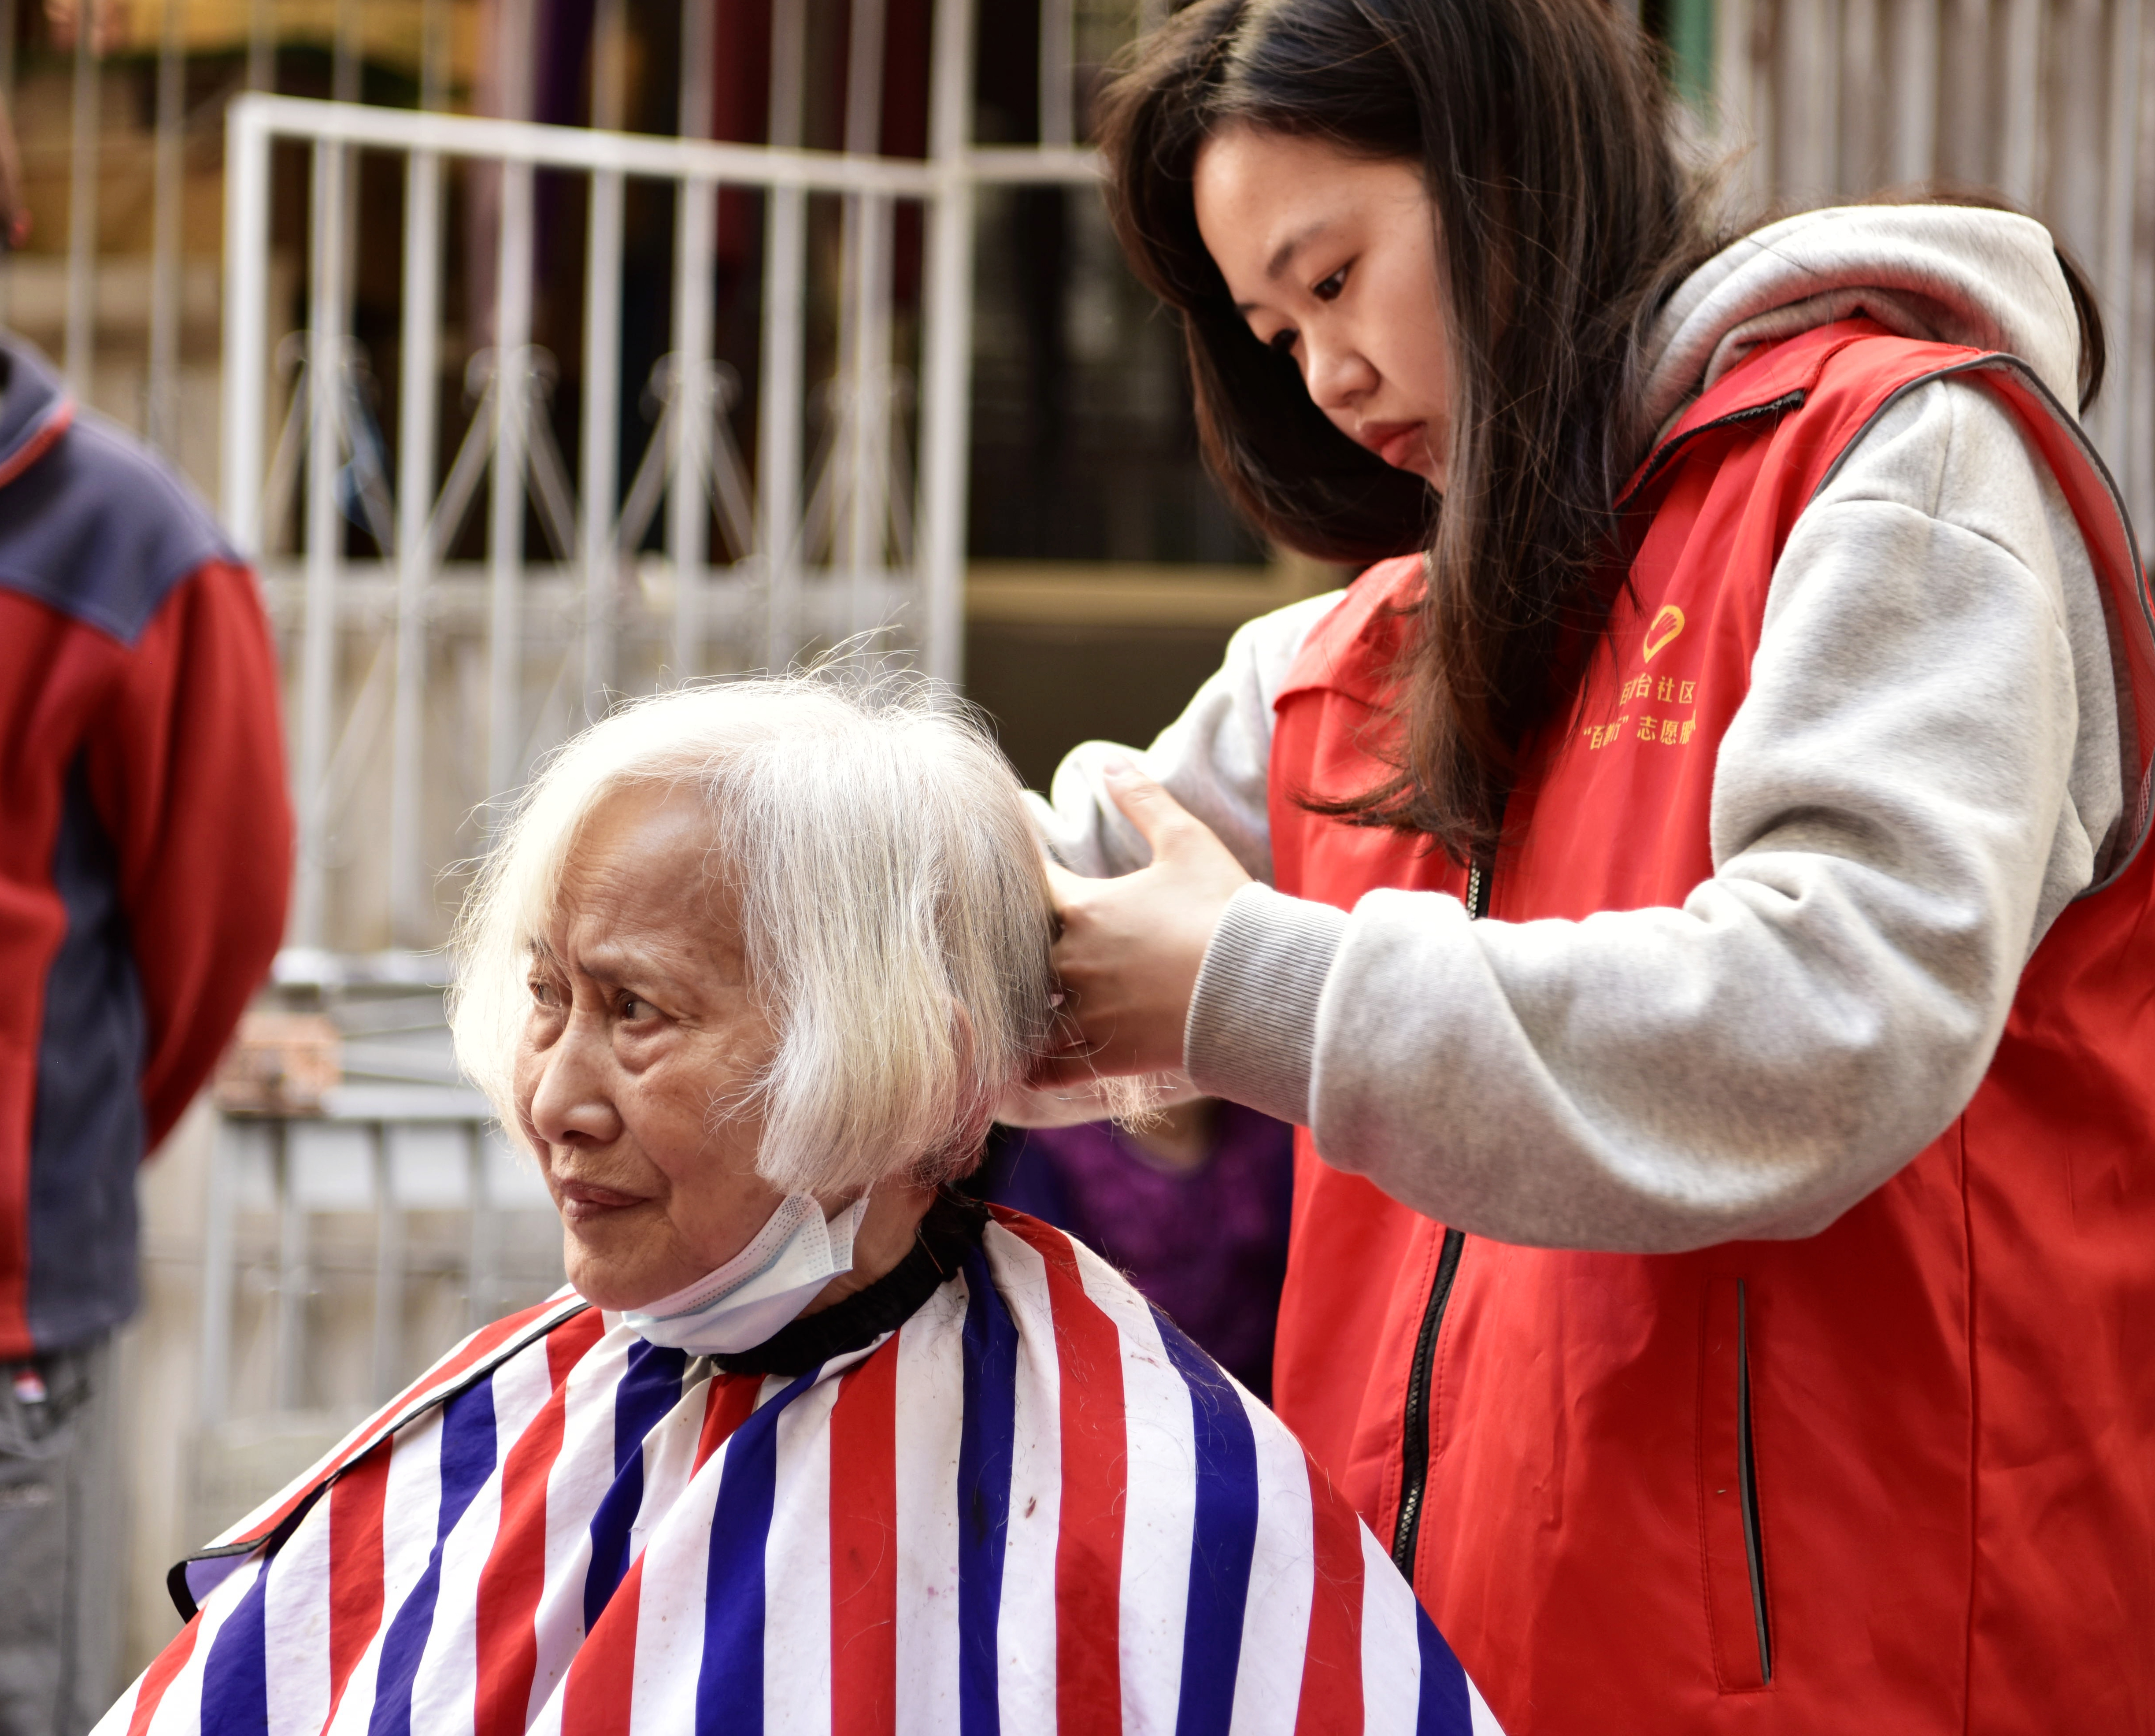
[1925,771]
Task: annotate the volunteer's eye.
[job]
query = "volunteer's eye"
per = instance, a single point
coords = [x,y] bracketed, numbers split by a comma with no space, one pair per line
[1329,289]
[1283,341]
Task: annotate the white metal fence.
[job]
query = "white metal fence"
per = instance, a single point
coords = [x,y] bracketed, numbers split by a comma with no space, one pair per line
[809,547]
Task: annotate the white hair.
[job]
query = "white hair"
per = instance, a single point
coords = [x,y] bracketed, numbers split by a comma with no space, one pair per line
[893,909]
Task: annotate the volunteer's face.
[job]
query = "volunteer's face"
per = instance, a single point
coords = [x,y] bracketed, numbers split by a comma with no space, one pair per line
[1332,259]
[643,1042]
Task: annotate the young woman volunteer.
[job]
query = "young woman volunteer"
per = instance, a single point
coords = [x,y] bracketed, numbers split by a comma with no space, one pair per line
[1706,938]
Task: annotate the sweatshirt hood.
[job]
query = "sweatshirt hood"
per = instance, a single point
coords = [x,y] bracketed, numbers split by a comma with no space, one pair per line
[1944,273]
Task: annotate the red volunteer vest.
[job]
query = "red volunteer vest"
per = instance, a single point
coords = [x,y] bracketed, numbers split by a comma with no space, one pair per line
[1897,1477]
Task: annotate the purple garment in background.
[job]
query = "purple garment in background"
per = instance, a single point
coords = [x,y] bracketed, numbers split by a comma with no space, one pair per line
[1208,1245]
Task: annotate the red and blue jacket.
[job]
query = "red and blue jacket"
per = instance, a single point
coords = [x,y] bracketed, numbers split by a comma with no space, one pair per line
[145,839]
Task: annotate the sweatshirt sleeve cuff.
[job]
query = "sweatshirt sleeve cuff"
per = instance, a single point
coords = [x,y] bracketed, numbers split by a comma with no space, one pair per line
[1251,1036]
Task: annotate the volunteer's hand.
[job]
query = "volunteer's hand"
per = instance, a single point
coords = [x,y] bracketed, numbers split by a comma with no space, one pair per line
[1130,947]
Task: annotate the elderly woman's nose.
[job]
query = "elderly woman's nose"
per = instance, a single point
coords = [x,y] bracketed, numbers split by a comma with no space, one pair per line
[569,1102]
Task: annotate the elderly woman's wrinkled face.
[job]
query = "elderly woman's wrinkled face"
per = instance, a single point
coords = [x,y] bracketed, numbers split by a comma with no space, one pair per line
[639,1055]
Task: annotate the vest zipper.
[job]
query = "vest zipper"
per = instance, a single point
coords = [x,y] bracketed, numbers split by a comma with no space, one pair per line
[1659,460]
[1747,1491]
[1414,1433]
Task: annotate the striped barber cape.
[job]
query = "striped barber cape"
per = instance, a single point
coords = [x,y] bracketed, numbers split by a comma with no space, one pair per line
[1035,1506]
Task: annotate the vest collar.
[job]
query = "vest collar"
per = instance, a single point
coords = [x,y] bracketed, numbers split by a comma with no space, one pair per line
[1773,381]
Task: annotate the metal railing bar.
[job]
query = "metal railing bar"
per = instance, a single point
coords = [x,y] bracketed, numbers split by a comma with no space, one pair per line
[583,150]
[600,464]
[388,1346]
[168,191]
[362,727]
[778,479]
[324,537]
[418,390]
[283,477]
[728,473]
[1058,117]
[483,1264]
[292,1281]
[214,1376]
[77,350]
[865,401]
[947,350]
[647,487]
[695,241]
[1020,166]
[246,312]
[784,363]
[473,454]
[507,484]
[864,71]
[551,492]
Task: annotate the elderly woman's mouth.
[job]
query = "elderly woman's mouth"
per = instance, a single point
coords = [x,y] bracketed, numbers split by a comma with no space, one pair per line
[581,1202]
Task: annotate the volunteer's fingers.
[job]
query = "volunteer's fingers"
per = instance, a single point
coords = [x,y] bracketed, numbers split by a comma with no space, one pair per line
[1160,820]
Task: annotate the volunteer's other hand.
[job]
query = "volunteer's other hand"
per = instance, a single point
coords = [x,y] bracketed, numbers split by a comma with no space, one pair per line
[1130,946]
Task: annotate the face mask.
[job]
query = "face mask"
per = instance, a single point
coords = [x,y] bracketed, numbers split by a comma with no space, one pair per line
[761,1289]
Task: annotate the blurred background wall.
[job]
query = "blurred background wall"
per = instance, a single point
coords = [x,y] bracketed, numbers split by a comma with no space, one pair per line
[311,1249]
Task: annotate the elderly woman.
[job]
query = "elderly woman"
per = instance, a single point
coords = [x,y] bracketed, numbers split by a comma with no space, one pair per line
[811,1444]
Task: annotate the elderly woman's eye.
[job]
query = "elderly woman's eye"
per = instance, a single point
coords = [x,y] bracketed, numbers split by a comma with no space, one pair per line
[542,991]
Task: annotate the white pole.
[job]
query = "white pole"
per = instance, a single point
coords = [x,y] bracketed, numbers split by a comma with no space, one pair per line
[324,540]
[785,288]
[1058,117]
[862,394]
[416,433]
[944,409]
[81,335]
[246,319]
[694,241]
[601,461]
[506,500]
[169,189]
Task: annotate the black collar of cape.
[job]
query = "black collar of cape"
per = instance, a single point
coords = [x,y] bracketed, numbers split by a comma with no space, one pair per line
[951,1225]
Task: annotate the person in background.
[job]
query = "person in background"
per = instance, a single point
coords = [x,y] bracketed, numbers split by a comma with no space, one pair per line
[144,862]
[1191,1205]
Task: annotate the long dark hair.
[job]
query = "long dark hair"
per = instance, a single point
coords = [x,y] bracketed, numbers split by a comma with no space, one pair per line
[1543,132]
